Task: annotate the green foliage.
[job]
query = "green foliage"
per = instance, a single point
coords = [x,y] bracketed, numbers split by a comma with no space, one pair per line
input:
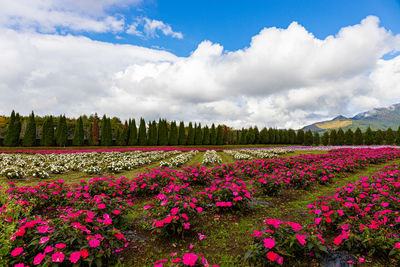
[61,131]
[162,133]
[358,137]
[11,131]
[325,138]
[291,136]
[317,140]
[378,137]
[190,136]
[264,136]
[79,137]
[390,136]
[300,137]
[152,134]
[206,135]
[340,137]
[182,134]
[213,135]
[333,137]
[30,132]
[220,140]
[256,135]
[368,137]
[308,138]
[271,134]
[106,132]
[198,140]
[348,137]
[250,137]
[47,138]
[142,138]
[243,137]
[90,137]
[173,134]
[133,135]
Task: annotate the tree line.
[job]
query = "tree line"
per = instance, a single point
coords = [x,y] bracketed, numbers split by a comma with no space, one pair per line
[94,131]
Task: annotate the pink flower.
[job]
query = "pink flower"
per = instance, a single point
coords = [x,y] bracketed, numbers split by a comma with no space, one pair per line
[361,259]
[94,243]
[191,246]
[57,256]
[318,220]
[397,245]
[301,239]
[189,259]
[337,241]
[84,253]
[385,205]
[186,226]
[75,256]
[280,260]
[16,251]
[48,249]
[60,245]
[101,206]
[272,256]
[44,239]
[116,212]
[38,259]
[269,243]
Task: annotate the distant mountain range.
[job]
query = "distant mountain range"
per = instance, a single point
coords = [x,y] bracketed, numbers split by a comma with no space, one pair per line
[377,118]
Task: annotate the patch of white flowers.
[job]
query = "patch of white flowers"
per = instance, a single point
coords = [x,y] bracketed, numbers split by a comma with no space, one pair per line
[179,160]
[238,155]
[211,157]
[267,153]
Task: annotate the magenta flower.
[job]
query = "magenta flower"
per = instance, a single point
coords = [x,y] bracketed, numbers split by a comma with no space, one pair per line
[301,239]
[272,256]
[60,245]
[269,243]
[39,258]
[44,239]
[16,251]
[57,256]
[75,256]
[94,243]
[189,259]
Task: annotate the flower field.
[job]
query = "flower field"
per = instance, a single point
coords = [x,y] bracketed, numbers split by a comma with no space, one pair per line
[263,210]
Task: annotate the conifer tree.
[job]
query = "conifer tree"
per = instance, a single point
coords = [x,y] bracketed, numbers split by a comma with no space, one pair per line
[325,138]
[340,137]
[243,135]
[173,134]
[11,130]
[292,136]
[378,137]
[118,137]
[300,137]
[95,133]
[277,136]
[256,135]
[250,136]
[79,137]
[198,135]
[368,137]
[150,134]
[308,138]
[133,133]
[90,137]
[333,137]
[190,136]
[206,135]
[47,138]
[182,134]
[17,133]
[162,133]
[142,138]
[358,137]
[389,140]
[317,140]
[30,132]
[271,134]
[349,137]
[220,140]
[109,133]
[124,135]
[154,133]
[43,135]
[397,139]
[213,135]
[264,137]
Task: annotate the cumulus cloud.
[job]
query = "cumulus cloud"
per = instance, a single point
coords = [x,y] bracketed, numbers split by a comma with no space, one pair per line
[284,78]
[150,27]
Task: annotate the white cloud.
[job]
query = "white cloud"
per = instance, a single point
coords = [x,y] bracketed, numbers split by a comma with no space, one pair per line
[284,78]
[150,27]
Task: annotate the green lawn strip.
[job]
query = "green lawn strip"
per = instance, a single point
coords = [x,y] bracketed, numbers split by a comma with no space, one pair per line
[196,160]
[299,152]
[226,159]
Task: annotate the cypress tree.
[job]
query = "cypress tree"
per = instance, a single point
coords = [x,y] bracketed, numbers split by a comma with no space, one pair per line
[243,135]
[308,138]
[44,130]
[340,137]
[155,132]
[325,138]
[317,140]
[264,137]
[17,133]
[90,137]
[333,137]
[368,137]
[213,135]
[11,131]
[378,137]
[349,137]
[118,135]
[285,136]
[206,135]
[142,139]
[103,130]
[30,132]
[150,134]
[397,139]
[198,135]
[277,136]
[358,137]
[256,135]
[300,137]
[250,136]
[271,134]
[109,133]
[162,133]
[133,134]
[95,133]
[47,132]
[389,140]
[173,134]
[292,136]
[182,134]
[124,135]
[220,140]
[190,136]
[79,137]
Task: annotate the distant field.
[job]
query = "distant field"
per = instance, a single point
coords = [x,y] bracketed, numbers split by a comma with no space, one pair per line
[334,124]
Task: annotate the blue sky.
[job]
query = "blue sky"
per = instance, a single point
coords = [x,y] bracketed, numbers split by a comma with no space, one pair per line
[281,63]
[233,23]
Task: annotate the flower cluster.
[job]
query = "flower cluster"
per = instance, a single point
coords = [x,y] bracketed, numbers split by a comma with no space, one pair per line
[211,157]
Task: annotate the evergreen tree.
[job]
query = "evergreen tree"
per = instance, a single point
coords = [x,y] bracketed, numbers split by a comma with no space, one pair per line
[124,135]
[368,137]
[292,136]
[285,137]
[278,136]
[30,132]
[79,137]
[17,133]
[317,140]
[243,135]
[389,140]
[133,134]
[90,137]
[397,140]
[349,137]
[325,138]
[44,130]
[11,130]
[47,138]
[109,133]
[149,134]
[118,137]
[153,133]
[271,134]
[378,137]
[213,135]
[308,138]
[300,137]
[182,134]
[358,137]
[220,137]
[333,137]
[95,133]
[142,139]
[198,135]
[173,134]
[206,135]
[256,135]
[162,133]
[340,137]
[264,136]
[62,131]
[250,137]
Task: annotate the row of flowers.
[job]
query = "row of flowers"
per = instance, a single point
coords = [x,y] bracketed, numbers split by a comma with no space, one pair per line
[179,160]
[211,157]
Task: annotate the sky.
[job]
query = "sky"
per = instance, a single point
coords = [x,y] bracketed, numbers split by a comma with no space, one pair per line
[274,63]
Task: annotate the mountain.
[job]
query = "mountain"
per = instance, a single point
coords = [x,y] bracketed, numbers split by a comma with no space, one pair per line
[377,118]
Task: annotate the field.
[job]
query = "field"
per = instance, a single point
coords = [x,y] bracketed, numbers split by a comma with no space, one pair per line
[168,206]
